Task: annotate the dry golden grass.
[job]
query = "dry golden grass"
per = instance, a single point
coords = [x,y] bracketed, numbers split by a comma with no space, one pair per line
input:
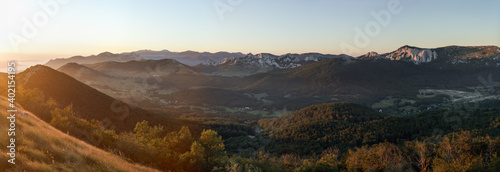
[40,147]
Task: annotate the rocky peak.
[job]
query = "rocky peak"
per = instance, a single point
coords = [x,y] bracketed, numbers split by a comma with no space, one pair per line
[413,54]
[372,54]
[312,58]
[216,63]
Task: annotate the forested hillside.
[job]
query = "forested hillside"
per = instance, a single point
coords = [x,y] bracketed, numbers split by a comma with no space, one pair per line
[347,125]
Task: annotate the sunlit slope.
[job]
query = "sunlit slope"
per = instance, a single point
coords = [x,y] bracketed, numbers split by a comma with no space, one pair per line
[40,147]
[88,102]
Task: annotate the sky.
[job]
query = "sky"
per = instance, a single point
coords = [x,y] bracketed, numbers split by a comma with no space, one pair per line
[34,32]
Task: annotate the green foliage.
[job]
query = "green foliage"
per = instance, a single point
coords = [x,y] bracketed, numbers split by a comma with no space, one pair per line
[237,164]
[293,140]
[193,160]
[179,142]
[345,125]
[147,133]
[35,101]
[213,147]
[312,166]
[63,119]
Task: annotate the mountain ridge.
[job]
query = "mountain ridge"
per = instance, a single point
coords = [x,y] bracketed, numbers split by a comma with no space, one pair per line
[450,54]
[262,62]
[186,57]
[89,104]
[142,68]
[102,57]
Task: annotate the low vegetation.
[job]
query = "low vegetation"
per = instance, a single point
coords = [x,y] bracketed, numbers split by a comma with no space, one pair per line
[41,147]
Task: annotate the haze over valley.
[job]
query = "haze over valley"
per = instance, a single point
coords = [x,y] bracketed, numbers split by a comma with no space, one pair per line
[250,86]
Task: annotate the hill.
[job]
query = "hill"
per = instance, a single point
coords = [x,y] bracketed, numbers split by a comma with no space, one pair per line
[345,112]
[337,79]
[347,125]
[449,54]
[82,72]
[213,97]
[319,126]
[143,83]
[142,68]
[41,85]
[40,147]
[123,88]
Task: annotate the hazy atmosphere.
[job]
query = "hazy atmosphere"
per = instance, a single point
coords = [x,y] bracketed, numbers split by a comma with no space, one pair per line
[250,85]
[278,27]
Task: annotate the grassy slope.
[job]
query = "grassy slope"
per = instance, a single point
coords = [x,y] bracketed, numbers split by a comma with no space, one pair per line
[41,147]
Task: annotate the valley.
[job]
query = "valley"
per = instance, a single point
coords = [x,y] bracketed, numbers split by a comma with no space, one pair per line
[250,86]
[335,106]
[372,82]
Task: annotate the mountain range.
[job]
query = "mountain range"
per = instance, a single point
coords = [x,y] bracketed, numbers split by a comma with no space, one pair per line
[102,57]
[261,63]
[266,81]
[293,103]
[187,57]
[190,58]
[452,54]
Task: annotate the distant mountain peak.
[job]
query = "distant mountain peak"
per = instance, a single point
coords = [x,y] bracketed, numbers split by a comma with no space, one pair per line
[33,70]
[413,54]
[409,47]
[262,62]
[107,53]
[452,54]
[372,55]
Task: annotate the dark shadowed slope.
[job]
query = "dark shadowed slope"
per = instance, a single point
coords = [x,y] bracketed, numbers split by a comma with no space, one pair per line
[87,102]
[143,68]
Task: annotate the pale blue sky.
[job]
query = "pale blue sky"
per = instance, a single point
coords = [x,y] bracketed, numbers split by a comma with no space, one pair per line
[276,26]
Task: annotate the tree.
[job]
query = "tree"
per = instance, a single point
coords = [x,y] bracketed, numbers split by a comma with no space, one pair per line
[63,119]
[194,159]
[213,146]
[454,153]
[179,142]
[379,157]
[419,154]
[149,134]
[330,157]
